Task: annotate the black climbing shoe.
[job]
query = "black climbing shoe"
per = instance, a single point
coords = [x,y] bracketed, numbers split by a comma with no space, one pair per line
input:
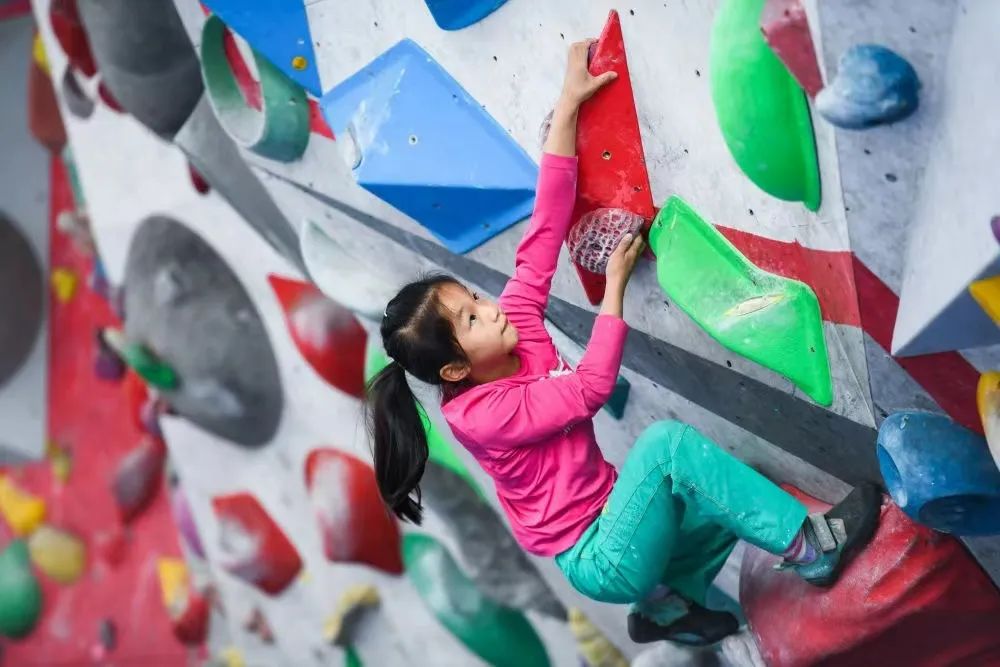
[698,627]
[839,534]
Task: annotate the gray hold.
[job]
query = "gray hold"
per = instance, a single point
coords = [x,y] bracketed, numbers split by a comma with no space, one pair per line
[21,298]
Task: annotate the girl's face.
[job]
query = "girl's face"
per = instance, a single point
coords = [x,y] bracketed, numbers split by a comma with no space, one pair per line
[481,327]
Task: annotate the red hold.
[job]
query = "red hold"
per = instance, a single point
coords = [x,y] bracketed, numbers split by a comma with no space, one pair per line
[612,164]
[912,597]
[138,477]
[355,525]
[327,334]
[255,548]
[191,624]
[68,28]
[786,31]
[44,119]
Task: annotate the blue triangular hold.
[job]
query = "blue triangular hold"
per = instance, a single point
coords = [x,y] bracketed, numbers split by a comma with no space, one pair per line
[278,30]
[425,146]
[457,14]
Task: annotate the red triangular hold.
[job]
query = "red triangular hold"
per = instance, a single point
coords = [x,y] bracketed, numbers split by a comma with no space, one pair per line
[327,334]
[612,165]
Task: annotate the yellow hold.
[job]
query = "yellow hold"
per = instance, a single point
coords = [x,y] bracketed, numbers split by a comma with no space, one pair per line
[64,283]
[60,460]
[39,55]
[173,575]
[988,402]
[354,598]
[986,292]
[22,510]
[62,556]
[232,657]
[595,649]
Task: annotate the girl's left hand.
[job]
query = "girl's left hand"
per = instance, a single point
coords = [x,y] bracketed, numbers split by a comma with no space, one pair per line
[579,86]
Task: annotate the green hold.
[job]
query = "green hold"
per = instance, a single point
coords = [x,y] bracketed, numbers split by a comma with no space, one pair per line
[762,110]
[20,594]
[351,658]
[149,367]
[499,635]
[280,131]
[442,450]
[772,320]
[619,398]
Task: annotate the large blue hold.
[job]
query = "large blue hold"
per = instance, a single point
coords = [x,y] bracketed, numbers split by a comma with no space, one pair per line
[278,30]
[457,14]
[874,86]
[939,473]
[423,145]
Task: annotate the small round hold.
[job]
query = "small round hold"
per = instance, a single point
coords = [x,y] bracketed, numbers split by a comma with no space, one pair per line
[299,63]
[606,155]
[413,140]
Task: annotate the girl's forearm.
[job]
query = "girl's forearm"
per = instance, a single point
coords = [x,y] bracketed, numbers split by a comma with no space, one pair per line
[562,132]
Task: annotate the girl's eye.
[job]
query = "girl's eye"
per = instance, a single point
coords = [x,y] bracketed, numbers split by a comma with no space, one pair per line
[472,318]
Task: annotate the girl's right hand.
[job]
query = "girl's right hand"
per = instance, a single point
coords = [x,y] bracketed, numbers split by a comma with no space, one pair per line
[579,86]
[623,260]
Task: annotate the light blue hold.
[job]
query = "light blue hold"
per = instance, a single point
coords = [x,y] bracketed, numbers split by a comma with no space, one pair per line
[874,86]
[458,14]
[419,142]
[278,30]
[940,473]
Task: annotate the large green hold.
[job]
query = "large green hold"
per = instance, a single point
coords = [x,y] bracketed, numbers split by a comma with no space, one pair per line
[20,595]
[441,448]
[762,110]
[772,320]
[499,635]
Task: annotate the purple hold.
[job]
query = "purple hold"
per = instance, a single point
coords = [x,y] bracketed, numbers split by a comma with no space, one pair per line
[185,522]
[995,226]
[107,364]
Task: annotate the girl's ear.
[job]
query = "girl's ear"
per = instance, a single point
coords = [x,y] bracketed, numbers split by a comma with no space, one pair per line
[455,371]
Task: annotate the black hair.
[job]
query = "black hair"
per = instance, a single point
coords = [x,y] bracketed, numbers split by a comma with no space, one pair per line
[419,338]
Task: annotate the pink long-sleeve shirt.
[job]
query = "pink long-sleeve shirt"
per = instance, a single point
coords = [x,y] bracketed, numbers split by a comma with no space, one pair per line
[533,432]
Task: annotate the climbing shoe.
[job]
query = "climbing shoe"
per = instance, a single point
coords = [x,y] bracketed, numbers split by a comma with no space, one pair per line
[696,626]
[839,534]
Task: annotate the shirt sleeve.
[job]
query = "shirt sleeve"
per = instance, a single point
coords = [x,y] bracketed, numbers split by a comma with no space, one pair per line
[501,416]
[538,252]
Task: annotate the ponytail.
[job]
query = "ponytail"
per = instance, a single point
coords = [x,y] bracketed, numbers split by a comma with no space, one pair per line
[400,441]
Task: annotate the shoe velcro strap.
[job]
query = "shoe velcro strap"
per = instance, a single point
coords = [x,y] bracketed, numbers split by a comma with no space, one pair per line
[824,535]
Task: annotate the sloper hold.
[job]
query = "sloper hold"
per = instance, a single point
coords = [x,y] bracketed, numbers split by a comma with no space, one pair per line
[61,555]
[988,402]
[255,549]
[911,597]
[612,165]
[786,29]
[138,477]
[20,594]
[769,319]
[458,14]
[279,130]
[940,473]
[22,510]
[329,337]
[278,29]
[354,523]
[762,111]
[408,119]
[500,636]
[21,310]
[873,86]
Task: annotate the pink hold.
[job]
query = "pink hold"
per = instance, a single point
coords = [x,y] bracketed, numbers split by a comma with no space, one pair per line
[786,30]
[596,235]
[185,522]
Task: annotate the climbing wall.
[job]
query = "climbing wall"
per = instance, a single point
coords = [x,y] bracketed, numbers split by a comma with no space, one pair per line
[259,183]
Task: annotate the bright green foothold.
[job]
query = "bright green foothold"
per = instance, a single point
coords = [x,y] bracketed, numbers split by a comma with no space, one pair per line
[149,367]
[762,110]
[351,658]
[499,635]
[769,319]
[20,595]
[441,449]
[280,130]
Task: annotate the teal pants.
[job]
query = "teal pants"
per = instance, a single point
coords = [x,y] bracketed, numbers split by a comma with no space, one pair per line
[673,517]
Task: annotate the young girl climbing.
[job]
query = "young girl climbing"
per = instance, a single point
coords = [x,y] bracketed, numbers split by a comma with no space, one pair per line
[655,533]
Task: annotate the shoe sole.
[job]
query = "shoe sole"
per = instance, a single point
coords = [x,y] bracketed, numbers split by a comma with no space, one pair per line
[644,631]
